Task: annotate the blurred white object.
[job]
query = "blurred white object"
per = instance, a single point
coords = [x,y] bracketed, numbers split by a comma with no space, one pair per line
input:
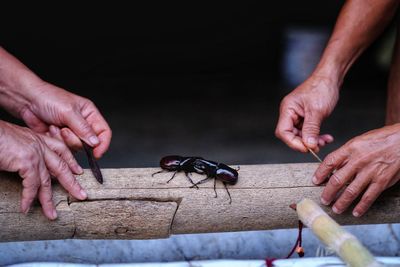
[330,261]
[297,262]
[302,52]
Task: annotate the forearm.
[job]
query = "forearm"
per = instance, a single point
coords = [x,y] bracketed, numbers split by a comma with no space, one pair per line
[359,23]
[15,79]
[393,97]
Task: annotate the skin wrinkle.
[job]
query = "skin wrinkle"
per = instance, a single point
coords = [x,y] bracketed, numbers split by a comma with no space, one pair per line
[34,153]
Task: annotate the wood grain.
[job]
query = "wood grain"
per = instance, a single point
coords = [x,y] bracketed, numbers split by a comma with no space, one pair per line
[131,204]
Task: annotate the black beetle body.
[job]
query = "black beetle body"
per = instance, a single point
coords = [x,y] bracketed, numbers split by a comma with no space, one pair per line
[212,170]
[177,164]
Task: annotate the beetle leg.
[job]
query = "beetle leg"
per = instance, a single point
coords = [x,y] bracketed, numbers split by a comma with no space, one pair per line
[158,172]
[172,177]
[200,182]
[238,168]
[229,194]
[191,181]
[215,190]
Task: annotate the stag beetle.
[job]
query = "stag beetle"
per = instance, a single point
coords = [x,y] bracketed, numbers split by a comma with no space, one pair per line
[212,170]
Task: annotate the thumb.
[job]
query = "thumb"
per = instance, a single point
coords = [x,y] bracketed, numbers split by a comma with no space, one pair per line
[82,129]
[33,122]
[311,128]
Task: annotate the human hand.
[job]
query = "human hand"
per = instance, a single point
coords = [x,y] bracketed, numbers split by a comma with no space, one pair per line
[369,162]
[302,111]
[41,104]
[35,157]
[78,116]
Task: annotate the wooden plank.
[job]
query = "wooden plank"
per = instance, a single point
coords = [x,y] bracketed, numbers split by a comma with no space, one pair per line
[131,204]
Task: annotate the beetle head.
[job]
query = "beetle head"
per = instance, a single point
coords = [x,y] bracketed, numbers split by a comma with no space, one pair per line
[227,174]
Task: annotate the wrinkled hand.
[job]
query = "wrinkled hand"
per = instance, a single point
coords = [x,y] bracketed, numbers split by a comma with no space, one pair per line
[79,117]
[370,163]
[35,157]
[302,111]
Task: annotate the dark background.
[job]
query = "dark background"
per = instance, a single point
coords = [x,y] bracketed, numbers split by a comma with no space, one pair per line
[192,78]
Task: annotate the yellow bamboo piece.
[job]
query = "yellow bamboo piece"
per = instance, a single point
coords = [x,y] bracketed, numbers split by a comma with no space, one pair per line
[334,236]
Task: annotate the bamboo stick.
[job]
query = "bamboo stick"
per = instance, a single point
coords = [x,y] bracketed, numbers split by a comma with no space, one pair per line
[334,236]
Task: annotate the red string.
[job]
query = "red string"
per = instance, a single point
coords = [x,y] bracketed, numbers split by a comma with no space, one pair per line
[297,247]
[268,262]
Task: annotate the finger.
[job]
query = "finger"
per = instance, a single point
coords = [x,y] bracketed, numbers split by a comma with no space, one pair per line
[45,193]
[359,184]
[311,128]
[336,182]
[321,142]
[327,138]
[105,139]
[30,186]
[71,139]
[285,130]
[369,197]
[33,122]
[103,131]
[55,132]
[394,180]
[328,165]
[77,123]
[59,168]
[63,151]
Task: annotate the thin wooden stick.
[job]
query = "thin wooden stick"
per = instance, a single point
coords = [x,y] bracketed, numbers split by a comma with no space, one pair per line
[315,155]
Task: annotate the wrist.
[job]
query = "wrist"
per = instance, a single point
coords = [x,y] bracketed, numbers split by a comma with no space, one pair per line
[331,74]
[16,83]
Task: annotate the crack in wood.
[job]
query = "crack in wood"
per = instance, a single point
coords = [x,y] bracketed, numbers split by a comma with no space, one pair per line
[177,200]
[211,187]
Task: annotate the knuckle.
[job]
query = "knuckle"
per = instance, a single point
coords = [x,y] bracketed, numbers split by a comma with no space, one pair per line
[29,158]
[367,200]
[311,127]
[340,205]
[68,109]
[30,183]
[46,182]
[336,181]
[278,133]
[89,103]
[350,193]
[73,183]
[329,161]
[383,182]
[353,144]
[85,127]
[62,166]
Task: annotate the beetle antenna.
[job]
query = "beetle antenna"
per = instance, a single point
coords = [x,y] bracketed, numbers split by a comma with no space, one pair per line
[238,168]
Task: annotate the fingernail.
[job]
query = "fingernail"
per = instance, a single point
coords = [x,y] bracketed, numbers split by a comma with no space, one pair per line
[79,169]
[324,201]
[335,210]
[83,194]
[314,180]
[26,210]
[54,215]
[311,141]
[94,140]
[356,214]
